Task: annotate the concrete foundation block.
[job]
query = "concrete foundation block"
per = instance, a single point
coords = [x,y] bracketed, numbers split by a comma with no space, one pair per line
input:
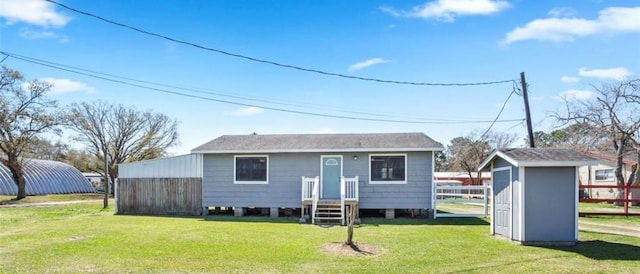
[205,211]
[390,213]
[238,211]
[273,212]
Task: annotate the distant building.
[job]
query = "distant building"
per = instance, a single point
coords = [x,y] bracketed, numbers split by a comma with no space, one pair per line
[45,177]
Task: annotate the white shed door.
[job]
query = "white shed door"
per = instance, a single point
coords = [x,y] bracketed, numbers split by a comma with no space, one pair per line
[502,211]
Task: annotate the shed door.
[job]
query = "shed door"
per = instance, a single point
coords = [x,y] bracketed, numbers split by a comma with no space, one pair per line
[502,196]
[331,173]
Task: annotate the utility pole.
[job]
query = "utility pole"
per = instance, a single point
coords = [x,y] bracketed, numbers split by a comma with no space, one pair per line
[526,109]
[106,176]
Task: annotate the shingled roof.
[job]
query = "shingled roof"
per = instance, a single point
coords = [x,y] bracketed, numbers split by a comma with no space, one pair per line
[320,143]
[541,157]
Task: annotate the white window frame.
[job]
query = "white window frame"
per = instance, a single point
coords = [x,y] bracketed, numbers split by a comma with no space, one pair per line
[406,167]
[265,182]
[595,177]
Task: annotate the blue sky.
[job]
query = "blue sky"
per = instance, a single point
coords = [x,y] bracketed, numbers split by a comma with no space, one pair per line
[562,46]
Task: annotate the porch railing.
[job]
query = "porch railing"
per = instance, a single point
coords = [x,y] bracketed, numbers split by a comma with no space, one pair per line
[307,187]
[348,192]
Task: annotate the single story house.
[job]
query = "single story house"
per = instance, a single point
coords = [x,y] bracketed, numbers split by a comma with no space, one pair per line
[315,171]
[603,174]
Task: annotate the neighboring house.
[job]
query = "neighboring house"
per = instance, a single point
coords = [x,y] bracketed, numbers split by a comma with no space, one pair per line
[45,177]
[314,171]
[96,179]
[604,174]
[463,177]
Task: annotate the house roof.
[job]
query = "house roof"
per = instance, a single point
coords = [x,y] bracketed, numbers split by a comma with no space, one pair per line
[540,157]
[628,158]
[379,142]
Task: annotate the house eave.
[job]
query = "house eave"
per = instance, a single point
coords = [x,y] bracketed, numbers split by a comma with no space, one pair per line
[318,150]
[557,163]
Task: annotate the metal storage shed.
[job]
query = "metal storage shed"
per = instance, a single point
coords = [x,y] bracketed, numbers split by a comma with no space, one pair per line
[535,194]
[45,177]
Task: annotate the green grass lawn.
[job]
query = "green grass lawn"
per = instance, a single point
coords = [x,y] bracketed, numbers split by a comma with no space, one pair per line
[6,199]
[85,238]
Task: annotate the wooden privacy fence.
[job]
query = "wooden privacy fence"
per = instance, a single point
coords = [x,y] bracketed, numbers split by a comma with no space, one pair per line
[159,196]
[626,201]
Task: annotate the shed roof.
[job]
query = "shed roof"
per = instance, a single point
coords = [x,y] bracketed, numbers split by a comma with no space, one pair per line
[540,157]
[45,177]
[379,142]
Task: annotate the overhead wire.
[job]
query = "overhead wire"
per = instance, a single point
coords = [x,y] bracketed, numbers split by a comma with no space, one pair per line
[128,81]
[264,61]
[504,105]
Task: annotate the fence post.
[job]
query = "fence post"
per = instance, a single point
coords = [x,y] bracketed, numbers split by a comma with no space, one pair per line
[485,200]
[626,199]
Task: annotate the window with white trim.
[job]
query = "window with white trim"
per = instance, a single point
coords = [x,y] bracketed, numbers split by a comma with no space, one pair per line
[388,168]
[251,169]
[604,174]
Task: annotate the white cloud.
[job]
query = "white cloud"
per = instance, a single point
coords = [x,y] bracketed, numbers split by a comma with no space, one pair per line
[619,73]
[575,94]
[247,111]
[447,10]
[367,63]
[562,29]
[32,34]
[569,79]
[60,86]
[561,12]
[34,12]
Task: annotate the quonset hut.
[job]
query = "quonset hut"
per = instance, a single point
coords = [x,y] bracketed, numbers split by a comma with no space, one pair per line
[45,177]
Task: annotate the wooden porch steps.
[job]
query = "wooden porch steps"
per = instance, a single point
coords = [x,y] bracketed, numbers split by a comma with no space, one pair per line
[328,212]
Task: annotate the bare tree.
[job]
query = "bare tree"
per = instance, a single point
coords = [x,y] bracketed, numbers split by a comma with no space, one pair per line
[466,153]
[614,112]
[127,134]
[25,113]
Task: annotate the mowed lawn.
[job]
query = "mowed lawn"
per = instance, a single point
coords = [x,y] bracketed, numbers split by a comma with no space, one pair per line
[85,238]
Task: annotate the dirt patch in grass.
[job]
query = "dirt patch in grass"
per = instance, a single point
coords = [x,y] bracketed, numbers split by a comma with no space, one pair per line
[357,249]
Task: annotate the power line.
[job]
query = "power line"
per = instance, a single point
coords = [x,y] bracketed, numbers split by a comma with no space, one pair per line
[129,83]
[223,94]
[515,89]
[268,61]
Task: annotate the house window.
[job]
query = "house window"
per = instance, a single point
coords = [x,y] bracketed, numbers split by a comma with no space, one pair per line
[388,169]
[604,174]
[251,169]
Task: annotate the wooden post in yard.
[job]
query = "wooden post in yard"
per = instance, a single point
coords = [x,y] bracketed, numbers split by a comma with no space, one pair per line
[106,178]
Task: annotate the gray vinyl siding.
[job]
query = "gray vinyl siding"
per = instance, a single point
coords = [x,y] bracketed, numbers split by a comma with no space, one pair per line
[415,194]
[515,208]
[499,162]
[284,187]
[283,190]
[550,204]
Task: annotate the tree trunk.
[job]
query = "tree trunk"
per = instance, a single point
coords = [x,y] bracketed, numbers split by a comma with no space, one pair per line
[620,148]
[17,173]
[351,216]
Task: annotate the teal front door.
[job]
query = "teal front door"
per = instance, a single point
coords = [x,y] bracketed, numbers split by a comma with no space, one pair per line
[331,174]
